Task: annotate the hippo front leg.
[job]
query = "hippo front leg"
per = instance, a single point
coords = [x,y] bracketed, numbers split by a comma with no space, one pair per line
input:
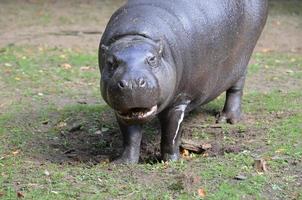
[231,112]
[171,121]
[132,136]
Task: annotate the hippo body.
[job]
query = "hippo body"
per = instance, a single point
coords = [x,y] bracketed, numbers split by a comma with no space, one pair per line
[165,58]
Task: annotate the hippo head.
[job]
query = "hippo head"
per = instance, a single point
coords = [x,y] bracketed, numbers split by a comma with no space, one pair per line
[137,82]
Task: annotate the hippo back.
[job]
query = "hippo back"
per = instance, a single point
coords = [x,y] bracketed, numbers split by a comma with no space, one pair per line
[202,37]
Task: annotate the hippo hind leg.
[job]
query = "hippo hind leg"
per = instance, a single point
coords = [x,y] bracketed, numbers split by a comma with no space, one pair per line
[231,112]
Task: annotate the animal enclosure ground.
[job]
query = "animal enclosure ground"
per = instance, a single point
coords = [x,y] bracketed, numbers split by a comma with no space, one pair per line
[57,135]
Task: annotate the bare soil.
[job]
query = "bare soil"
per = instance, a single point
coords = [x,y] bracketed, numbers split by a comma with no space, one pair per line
[79,24]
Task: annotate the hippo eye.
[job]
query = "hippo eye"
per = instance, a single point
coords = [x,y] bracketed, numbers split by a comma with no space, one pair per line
[152,61]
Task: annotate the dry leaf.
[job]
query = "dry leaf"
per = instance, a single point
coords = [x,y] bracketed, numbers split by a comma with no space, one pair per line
[62,124]
[66,66]
[1,194]
[202,193]
[46,172]
[205,155]
[279,150]
[8,65]
[184,152]
[20,195]
[265,50]
[289,71]
[293,60]
[16,152]
[85,68]
[260,165]
[17,78]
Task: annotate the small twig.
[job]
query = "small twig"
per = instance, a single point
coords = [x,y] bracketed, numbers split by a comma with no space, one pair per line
[69,151]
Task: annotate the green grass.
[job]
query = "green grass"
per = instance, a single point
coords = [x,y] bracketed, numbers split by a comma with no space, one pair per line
[289,7]
[34,133]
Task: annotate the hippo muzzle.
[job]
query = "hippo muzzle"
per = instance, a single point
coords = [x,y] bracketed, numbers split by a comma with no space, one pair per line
[134,95]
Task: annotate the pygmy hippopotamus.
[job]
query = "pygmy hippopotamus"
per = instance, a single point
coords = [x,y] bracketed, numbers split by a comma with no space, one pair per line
[166,57]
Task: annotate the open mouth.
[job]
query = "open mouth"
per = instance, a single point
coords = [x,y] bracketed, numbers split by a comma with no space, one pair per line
[138,113]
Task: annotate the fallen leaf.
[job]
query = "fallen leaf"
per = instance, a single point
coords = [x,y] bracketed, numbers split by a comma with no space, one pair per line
[260,165]
[184,152]
[279,150]
[66,66]
[202,193]
[8,65]
[289,71]
[17,78]
[104,129]
[205,155]
[62,124]
[85,68]
[1,194]
[62,56]
[20,195]
[293,60]
[16,152]
[40,94]
[46,172]
[266,50]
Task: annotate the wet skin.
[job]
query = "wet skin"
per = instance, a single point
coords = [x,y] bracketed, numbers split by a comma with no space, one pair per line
[165,58]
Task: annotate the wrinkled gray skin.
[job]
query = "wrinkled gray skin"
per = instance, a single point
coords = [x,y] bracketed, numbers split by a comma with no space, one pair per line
[166,57]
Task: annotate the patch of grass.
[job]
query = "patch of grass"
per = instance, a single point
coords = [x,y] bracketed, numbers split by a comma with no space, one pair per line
[292,7]
[285,138]
[43,72]
[272,102]
[43,159]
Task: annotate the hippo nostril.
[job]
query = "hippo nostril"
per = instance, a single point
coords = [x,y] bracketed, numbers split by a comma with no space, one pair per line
[122,84]
[141,82]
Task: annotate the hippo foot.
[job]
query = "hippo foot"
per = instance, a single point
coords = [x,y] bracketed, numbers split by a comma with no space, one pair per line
[231,117]
[170,157]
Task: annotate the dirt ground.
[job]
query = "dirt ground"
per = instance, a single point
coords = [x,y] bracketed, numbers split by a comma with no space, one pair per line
[65,137]
[79,24]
